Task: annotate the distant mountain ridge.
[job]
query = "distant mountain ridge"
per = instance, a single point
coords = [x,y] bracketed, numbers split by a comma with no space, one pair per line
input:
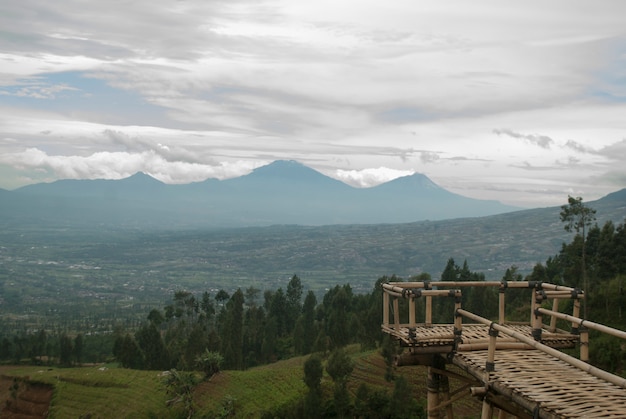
[283,192]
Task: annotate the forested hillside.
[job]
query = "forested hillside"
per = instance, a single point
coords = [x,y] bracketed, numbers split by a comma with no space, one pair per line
[237,327]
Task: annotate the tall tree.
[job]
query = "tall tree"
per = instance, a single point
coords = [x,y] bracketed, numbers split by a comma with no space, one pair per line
[579,217]
[305,339]
[151,344]
[339,367]
[451,271]
[66,350]
[232,331]
[79,346]
[337,317]
[313,372]
[294,302]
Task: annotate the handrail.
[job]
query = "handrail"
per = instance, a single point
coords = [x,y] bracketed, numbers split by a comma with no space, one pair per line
[597,372]
[584,323]
[541,290]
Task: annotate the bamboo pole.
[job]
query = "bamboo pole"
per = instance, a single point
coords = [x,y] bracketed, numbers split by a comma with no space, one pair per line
[445,284]
[444,387]
[462,347]
[396,314]
[487,412]
[575,313]
[533,302]
[396,291]
[411,312]
[501,301]
[462,284]
[458,320]
[432,398]
[537,320]
[618,381]
[429,310]
[555,307]
[490,366]
[586,323]
[385,309]
[584,344]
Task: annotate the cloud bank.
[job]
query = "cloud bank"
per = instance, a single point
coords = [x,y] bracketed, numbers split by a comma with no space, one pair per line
[523,103]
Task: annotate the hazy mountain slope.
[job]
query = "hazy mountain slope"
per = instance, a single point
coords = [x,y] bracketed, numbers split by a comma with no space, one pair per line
[284,192]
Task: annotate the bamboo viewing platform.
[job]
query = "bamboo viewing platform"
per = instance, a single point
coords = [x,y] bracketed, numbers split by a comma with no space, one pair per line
[515,369]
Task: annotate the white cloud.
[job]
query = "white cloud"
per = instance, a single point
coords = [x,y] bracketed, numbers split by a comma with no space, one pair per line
[118,165]
[370,177]
[483,97]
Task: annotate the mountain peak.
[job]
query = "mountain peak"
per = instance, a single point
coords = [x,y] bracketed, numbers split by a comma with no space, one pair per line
[141,178]
[283,167]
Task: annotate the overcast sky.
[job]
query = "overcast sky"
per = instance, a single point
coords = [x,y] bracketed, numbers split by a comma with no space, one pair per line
[523,102]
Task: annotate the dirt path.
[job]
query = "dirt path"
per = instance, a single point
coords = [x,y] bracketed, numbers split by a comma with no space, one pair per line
[21,398]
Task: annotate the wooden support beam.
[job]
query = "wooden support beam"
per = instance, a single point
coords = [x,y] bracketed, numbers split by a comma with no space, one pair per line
[411,312]
[396,314]
[432,396]
[385,309]
[501,301]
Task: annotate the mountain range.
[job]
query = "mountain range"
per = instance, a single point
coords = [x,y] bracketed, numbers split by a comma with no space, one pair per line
[283,192]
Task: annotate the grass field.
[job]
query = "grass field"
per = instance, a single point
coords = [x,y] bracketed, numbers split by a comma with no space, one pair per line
[102,392]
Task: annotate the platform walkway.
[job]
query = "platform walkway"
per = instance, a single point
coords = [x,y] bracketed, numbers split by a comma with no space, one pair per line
[515,369]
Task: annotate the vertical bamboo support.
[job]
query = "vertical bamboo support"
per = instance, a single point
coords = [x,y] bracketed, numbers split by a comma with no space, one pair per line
[501,301]
[584,344]
[432,397]
[555,307]
[575,313]
[445,395]
[537,319]
[487,412]
[502,414]
[385,309]
[533,306]
[396,313]
[491,351]
[458,319]
[429,310]
[411,311]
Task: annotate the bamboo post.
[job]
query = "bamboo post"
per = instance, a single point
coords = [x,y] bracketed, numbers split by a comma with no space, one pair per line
[487,412]
[429,310]
[501,296]
[491,350]
[533,302]
[537,319]
[385,309]
[411,311]
[445,395]
[584,344]
[458,319]
[396,313]
[575,313]
[555,307]
[432,398]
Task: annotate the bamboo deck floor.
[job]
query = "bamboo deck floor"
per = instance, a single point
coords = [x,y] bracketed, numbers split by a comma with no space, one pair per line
[547,386]
[554,387]
[442,336]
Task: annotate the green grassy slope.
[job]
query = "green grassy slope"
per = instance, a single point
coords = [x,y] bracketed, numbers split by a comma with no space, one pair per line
[121,393]
[97,392]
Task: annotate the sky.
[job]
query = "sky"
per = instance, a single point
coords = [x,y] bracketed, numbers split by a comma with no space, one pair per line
[520,102]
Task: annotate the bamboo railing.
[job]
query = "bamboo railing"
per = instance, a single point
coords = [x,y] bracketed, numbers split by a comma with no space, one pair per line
[541,292]
[491,336]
